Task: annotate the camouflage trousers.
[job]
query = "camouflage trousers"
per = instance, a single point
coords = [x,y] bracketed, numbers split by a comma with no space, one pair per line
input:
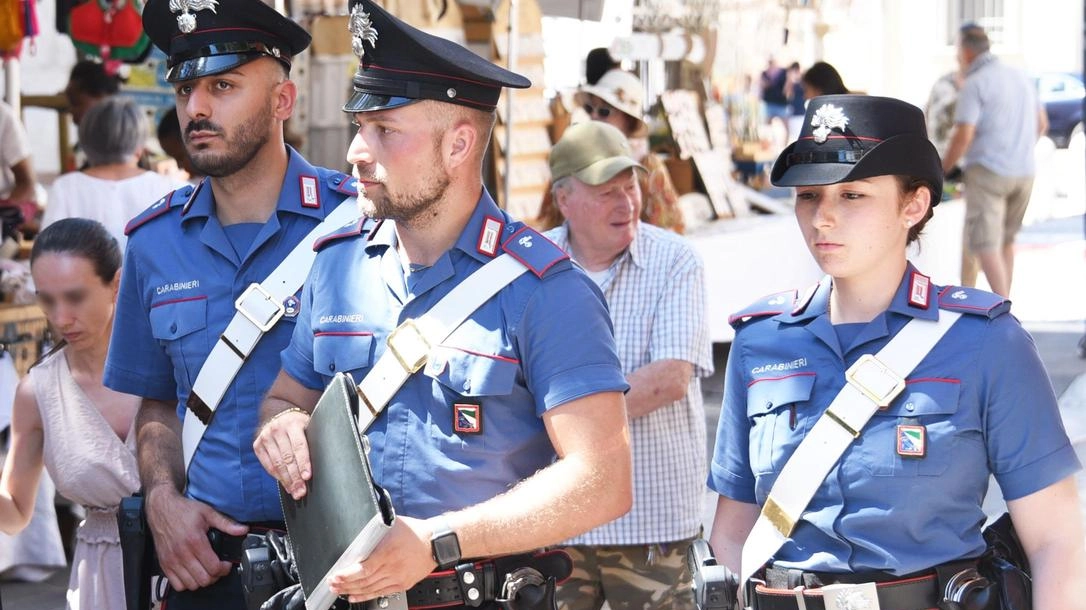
[635,577]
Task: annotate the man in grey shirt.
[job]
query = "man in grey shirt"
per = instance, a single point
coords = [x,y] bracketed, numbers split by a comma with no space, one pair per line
[996,124]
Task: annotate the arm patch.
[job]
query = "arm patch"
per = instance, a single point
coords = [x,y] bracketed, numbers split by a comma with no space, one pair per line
[533,250]
[973,301]
[769,305]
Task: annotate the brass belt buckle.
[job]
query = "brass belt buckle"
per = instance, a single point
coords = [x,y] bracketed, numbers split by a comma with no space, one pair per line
[409,346]
[875,380]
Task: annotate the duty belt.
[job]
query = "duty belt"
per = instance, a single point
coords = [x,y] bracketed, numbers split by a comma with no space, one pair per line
[797,590]
[475,583]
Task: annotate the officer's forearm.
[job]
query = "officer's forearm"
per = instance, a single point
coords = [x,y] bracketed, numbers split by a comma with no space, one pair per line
[158,443]
[588,486]
[286,394]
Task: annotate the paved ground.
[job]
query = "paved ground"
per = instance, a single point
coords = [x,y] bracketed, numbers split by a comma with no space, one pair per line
[1049,297]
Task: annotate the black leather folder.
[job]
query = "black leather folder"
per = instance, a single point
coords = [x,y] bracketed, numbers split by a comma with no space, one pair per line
[344,514]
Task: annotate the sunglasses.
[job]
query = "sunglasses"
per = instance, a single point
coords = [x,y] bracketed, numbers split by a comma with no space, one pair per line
[601,111]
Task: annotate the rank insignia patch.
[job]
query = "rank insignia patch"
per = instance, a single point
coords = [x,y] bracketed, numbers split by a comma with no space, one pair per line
[467,418]
[291,306]
[912,441]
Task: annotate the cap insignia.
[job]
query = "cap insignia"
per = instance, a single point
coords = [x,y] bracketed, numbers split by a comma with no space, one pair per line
[186,21]
[826,119]
[362,30]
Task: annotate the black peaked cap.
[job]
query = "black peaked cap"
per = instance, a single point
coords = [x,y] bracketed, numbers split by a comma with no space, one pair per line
[850,137]
[205,37]
[401,64]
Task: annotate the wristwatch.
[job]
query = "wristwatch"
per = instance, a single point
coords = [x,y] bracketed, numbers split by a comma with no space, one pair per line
[444,546]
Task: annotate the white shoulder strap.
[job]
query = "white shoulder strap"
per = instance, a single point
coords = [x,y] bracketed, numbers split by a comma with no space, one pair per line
[259,307]
[872,382]
[409,345]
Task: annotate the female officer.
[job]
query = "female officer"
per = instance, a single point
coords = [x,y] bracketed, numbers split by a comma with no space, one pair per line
[896,497]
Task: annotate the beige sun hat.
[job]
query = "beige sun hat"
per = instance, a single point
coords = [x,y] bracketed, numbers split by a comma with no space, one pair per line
[624,92]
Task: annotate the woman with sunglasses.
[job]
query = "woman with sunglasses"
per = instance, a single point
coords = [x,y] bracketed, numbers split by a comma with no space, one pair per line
[863,420]
[617,98]
[65,419]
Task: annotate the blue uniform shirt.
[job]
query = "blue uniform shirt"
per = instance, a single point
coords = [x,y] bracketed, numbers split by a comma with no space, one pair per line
[180,280]
[981,399]
[468,425]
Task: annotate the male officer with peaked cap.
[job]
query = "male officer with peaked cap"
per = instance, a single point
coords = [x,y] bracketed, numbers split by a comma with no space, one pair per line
[512,435]
[192,316]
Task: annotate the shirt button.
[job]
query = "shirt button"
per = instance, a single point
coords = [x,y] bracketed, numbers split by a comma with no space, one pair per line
[768,405]
[910,406]
[173,327]
[467,385]
[332,367]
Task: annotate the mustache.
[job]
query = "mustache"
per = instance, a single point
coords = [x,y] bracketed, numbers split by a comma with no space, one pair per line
[202,125]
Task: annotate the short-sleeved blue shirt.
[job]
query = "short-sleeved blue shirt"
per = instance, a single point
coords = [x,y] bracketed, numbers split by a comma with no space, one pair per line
[180,280]
[981,396]
[468,426]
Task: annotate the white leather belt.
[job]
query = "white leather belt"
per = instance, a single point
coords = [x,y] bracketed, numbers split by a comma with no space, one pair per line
[872,383]
[259,307]
[410,344]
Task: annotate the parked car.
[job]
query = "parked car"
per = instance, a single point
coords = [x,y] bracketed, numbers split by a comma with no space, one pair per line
[1062,95]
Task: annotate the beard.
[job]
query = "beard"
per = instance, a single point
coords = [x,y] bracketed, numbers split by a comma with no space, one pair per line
[240,148]
[406,207]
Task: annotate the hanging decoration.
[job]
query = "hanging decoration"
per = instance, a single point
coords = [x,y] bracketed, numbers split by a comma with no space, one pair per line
[109,29]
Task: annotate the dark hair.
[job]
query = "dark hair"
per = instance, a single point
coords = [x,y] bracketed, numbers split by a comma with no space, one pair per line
[169,126]
[974,38]
[91,78]
[84,238]
[824,77]
[597,63]
[910,184]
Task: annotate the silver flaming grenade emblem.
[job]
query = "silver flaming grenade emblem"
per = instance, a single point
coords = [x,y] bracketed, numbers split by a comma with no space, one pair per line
[186,21]
[826,119]
[362,30]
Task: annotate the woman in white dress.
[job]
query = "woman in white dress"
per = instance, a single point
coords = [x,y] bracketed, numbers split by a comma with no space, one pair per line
[64,418]
[113,188]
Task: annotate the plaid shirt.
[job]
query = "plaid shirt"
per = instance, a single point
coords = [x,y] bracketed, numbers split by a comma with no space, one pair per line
[656,293]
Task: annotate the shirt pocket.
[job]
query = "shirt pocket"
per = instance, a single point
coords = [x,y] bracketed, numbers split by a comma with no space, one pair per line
[474,407]
[927,403]
[780,415]
[180,326]
[343,352]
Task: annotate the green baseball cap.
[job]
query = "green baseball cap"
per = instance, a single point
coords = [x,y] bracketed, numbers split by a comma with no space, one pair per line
[593,152]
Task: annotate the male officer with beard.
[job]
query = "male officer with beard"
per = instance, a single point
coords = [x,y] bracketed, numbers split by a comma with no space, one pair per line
[512,434]
[200,323]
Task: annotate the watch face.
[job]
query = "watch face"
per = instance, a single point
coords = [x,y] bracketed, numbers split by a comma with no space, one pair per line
[446,549]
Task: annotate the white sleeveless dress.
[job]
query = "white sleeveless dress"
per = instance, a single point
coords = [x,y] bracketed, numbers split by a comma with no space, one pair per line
[92,466]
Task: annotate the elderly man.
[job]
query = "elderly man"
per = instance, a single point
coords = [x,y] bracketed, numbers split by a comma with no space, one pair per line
[654,285]
[997,121]
[511,434]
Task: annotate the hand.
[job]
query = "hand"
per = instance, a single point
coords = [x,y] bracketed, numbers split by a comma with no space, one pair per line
[399,562]
[179,526]
[283,451]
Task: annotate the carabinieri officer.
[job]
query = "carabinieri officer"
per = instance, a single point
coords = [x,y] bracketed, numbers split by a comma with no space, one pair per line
[191,257]
[512,435]
[862,420]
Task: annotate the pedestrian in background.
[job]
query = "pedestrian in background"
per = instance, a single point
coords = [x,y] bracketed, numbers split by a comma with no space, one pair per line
[112,188]
[822,79]
[997,122]
[654,284]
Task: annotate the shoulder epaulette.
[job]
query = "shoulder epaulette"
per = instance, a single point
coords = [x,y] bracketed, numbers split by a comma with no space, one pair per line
[174,199]
[769,305]
[973,301]
[338,181]
[355,228]
[533,250]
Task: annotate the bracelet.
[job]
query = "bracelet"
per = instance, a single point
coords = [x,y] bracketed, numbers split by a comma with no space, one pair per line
[280,414]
